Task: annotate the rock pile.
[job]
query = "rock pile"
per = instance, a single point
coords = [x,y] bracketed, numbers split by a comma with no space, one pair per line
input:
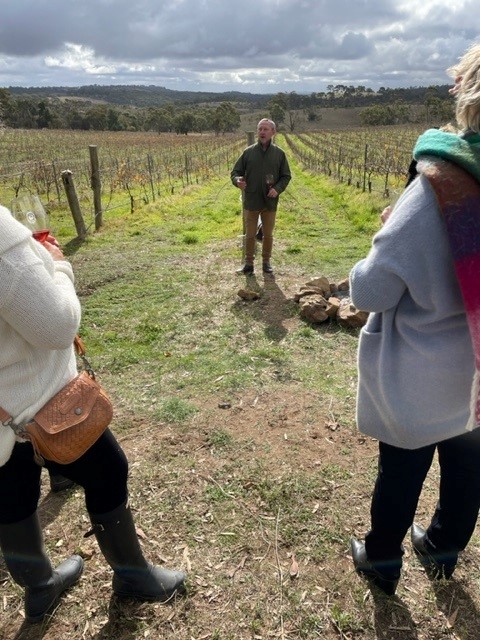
[321,300]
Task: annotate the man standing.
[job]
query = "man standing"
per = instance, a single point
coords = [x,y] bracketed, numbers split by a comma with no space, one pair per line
[262,173]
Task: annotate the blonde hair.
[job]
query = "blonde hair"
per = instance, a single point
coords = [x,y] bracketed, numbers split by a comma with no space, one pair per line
[467,70]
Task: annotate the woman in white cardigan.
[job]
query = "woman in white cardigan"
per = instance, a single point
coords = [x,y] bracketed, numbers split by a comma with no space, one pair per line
[39,318]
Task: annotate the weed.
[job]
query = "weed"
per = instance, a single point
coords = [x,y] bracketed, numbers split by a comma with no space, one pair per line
[190,238]
[175,410]
[344,620]
[220,439]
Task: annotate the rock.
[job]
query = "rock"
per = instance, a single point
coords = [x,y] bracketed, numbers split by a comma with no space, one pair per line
[321,300]
[307,291]
[248,294]
[313,308]
[333,306]
[349,316]
[320,282]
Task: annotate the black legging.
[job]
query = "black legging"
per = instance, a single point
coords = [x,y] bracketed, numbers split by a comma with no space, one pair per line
[401,473]
[102,471]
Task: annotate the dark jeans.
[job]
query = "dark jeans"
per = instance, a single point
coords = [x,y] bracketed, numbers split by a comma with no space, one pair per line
[401,473]
[102,472]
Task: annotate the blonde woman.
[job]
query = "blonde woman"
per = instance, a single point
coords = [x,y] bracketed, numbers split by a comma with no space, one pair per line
[419,353]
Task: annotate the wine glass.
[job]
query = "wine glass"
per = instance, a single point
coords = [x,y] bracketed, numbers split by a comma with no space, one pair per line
[30,212]
[269,180]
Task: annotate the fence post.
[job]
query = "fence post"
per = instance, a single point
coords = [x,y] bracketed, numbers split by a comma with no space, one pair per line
[250,137]
[96,186]
[150,173]
[55,177]
[67,179]
[365,168]
[187,163]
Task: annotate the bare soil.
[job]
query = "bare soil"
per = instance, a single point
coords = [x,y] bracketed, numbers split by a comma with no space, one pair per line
[256,498]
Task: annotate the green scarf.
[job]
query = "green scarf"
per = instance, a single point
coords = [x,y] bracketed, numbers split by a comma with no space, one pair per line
[464,152]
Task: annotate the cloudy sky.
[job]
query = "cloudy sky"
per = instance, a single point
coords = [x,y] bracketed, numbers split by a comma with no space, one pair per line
[258,46]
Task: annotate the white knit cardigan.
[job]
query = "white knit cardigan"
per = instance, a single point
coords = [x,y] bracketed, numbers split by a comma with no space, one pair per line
[39,317]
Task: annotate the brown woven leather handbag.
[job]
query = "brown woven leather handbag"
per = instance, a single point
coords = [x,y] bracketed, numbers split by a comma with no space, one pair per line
[71,421]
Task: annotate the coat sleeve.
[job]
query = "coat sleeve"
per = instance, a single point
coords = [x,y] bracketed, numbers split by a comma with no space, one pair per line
[238,169]
[38,298]
[398,256]
[285,175]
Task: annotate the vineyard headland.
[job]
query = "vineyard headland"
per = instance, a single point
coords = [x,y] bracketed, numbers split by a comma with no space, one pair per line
[140,167]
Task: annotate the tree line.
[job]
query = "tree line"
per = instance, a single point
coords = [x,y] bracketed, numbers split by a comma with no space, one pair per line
[385,107]
[30,112]
[77,108]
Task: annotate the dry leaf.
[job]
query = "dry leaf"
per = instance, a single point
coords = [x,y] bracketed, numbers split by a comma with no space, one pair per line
[452,619]
[186,558]
[241,564]
[294,568]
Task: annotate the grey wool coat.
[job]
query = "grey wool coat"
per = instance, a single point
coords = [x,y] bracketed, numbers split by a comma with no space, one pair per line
[415,357]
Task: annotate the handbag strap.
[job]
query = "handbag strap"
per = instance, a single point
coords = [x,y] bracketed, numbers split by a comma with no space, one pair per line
[5,417]
[80,351]
[79,345]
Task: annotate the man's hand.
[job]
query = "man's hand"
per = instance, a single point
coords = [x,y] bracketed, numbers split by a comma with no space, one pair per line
[272,193]
[240,182]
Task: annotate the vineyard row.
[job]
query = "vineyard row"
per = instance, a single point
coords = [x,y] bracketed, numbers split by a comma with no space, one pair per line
[149,166]
[368,159]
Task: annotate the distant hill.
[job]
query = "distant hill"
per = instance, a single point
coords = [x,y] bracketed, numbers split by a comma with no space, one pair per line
[142,96]
[155,96]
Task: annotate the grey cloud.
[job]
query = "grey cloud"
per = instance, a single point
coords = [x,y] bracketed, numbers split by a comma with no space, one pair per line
[353,46]
[151,29]
[197,43]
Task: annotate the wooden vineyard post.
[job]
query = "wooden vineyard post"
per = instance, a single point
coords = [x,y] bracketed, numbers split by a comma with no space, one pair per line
[67,179]
[250,137]
[55,178]
[365,158]
[96,186]
[150,175]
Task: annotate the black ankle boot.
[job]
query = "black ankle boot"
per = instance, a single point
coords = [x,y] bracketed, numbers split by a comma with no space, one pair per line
[24,553]
[246,269]
[437,565]
[134,577]
[377,573]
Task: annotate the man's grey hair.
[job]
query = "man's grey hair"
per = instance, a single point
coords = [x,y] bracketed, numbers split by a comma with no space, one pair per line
[268,121]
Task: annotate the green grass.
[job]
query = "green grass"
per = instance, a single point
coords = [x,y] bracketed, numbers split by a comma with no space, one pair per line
[163,305]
